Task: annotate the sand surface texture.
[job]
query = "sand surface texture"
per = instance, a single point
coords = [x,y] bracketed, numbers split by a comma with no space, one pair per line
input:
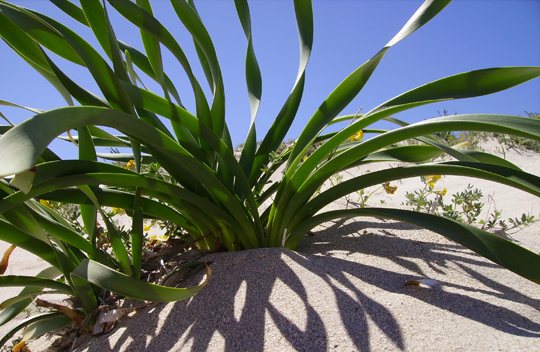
[344,290]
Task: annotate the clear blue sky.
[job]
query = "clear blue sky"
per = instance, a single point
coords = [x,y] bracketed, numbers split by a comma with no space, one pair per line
[467,35]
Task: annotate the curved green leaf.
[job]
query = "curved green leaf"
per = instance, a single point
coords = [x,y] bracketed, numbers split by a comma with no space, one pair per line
[463,85]
[503,252]
[505,175]
[11,308]
[191,20]
[254,85]
[308,177]
[284,119]
[351,86]
[40,31]
[30,321]
[31,281]
[13,235]
[118,283]
[145,21]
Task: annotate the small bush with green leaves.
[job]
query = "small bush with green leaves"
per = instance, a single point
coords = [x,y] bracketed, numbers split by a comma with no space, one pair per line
[465,206]
[221,202]
[471,139]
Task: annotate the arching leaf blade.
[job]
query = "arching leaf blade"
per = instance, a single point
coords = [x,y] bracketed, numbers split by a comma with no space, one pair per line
[501,251]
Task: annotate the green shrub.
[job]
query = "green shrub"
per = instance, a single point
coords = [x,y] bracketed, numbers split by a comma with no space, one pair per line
[221,202]
[465,206]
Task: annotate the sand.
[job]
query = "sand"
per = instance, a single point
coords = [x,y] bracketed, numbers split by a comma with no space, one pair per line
[344,290]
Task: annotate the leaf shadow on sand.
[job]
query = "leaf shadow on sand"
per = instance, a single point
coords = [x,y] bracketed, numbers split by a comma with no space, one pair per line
[286,296]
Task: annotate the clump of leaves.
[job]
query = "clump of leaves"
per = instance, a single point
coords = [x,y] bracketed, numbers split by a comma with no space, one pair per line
[265,198]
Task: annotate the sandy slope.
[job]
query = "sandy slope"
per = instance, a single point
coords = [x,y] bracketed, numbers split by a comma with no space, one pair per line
[344,291]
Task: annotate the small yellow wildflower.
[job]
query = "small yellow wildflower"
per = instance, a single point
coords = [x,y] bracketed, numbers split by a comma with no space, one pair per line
[431,180]
[388,188]
[159,238]
[357,136]
[117,211]
[46,203]
[442,192]
[130,165]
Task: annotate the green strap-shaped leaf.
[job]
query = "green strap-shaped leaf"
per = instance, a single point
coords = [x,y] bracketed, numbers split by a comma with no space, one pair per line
[44,326]
[34,110]
[67,44]
[463,85]
[201,55]
[303,185]
[117,199]
[151,46]
[503,252]
[513,125]
[405,153]
[13,235]
[105,78]
[191,20]
[118,246]
[11,308]
[351,86]
[83,96]
[87,151]
[489,158]
[100,24]
[29,138]
[72,10]
[41,31]
[144,64]
[153,50]
[62,233]
[139,59]
[145,21]
[109,279]
[31,281]
[29,51]
[342,95]
[496,173]
[254,86]
[35,319]
[137,234]
[285,117]
[173,195]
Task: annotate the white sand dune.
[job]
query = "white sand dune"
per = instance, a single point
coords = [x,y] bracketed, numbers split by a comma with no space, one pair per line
[344,290]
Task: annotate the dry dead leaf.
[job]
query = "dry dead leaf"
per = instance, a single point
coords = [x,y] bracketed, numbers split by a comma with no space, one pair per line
[106,319]
[72,314]
[5,259]
[426,283]
[20,347]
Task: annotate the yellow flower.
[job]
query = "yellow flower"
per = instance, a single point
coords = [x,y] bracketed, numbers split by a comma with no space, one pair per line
[431,180]
[130,165]
[117,211]
[148,227]
[442,192]
[46,203]
[357,136]
[388,188]
[159,238]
